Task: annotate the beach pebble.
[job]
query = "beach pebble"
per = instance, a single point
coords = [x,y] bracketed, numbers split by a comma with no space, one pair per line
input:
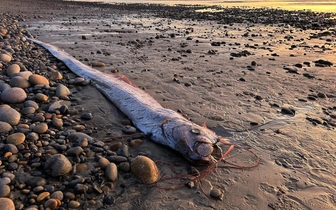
[35,181]
[52,203]
[9,115]
[111,172]
[16,138]
[12,69]
[5,127]
[28,110]
[19,81]
[125,166]
[135,142]
[13,95]
[58,123]
[57,165]
[6,204]
[30,103]
[36,79]
[103,162]
[55,75]
[73,204]
[42,196]
[41,97]
[86,116]
[144,169]
[57,195]
[41,128]
[78,137]
[75,151]
[10,148]
[24,74]
[97,64]
[62,90]
[129,129]
[123,151]
[216,193]
[4,86]
[5,58]
[4,191]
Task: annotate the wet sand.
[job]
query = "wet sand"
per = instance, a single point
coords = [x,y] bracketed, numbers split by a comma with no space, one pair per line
[266,83]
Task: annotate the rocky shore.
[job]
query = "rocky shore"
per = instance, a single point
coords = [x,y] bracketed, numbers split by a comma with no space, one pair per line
[267,76]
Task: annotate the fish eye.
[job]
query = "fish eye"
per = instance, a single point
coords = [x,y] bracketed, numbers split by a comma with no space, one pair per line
[195,131]
[203,149]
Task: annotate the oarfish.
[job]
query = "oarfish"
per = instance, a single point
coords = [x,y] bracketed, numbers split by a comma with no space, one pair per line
[162,125]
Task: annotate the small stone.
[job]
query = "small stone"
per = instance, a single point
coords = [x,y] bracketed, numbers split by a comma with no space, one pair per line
[41,97]
[16,138]
[5,127]
[13,95]
[123,151]
[10,148]
[5,181]
[19,81]
[36,79]
[135,142]
[41,128]
[69,195]
[75,151]
[216,193]
[145,169]
[62,90]
[73,204]
[80,188]
[57,165]
[103,162]
[6,203]
[111,172]
[30,103]
[12,69]
[322,95]
[5,58]
[4,191]
[117,159]
[58,123]
[42,196]
[288,111]
[125,166]
[116,146]
[86,116]
[129,129]
[35,181]
[97,64]
[28,110]
[55,75]
[57,195]
[52,204]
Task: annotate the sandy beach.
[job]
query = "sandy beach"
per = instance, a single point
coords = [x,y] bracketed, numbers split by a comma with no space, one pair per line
[265,79]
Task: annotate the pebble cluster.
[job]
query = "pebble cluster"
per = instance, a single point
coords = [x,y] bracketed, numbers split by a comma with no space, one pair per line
[48,160]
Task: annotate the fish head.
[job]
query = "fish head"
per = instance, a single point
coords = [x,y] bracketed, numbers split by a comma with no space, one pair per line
[195,142]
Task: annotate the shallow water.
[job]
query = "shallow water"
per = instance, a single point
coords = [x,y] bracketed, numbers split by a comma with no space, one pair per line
[318,6]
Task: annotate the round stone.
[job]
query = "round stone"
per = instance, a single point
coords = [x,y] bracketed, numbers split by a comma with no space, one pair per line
[52,204]
[36,181]
[4,86]
[216,193]
[5,127]
[13,69]
[19,81]
[36,79]
[129,129]
[41,97]
[57,195]
[135,142]
[13,95]
[42,196]
[9,115]
[4,191]
[5,181]
[30,103]
[41,128]
[73,204]
[28,110]
[57,165]
[62,90]
[24,74]
[55,75]
[103,162]
[144,169]
[75,151]
[16,138]
[6,203]
[58,123]
[111,172]
[5,58]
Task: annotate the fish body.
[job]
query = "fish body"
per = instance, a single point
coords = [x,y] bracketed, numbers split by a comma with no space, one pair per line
[164,126]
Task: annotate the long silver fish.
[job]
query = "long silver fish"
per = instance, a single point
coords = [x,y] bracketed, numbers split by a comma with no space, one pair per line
[164,126]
